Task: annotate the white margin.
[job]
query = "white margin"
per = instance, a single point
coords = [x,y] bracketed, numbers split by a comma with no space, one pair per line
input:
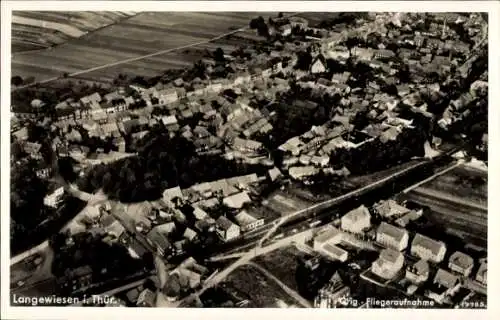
[492,7]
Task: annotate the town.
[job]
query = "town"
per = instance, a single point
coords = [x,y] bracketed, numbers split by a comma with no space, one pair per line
[326,165]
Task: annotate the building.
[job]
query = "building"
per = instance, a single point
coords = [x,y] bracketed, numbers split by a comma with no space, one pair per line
[146,299]
[392,237]
[332,235]
[356,221]
[333,252]
[461,263]
[299,173]
[285,30]
[427,248]
[236,201]
[390,209]
[226,229]
[166,96]
[444,284]
[482,273]
[418,272]
[388,264]
[54,199]
[248,222]
[318,66]
[332,294]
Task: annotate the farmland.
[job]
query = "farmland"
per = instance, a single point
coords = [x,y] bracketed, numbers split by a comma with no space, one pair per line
[458,200]
[99,55]
[145,33]
[32,30]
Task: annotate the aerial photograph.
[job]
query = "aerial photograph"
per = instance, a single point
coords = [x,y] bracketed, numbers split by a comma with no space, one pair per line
[248,159]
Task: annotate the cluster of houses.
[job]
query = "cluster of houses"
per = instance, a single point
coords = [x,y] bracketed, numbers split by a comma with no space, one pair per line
[419,262]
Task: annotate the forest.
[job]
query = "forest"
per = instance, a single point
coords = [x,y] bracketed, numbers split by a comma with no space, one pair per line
[162,162]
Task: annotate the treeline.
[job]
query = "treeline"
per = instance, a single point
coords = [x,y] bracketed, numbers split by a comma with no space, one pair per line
[162,163]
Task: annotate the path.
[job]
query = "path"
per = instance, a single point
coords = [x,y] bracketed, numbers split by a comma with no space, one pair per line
[287,289]
[434,176]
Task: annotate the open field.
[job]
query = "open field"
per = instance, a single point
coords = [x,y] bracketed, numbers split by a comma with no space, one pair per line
[145,33]
[260,291]
[282,263]
[463,182]
[32,30]
[457,200]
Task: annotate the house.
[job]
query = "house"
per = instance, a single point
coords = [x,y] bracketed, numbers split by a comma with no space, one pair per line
[92,101]
[246,145]
[362,54]
[444,284]
[334,293]
[285,30]
[146,299]
[392,237]
[427,248]
[340,53]
[170,122]
[225,229]
[236,201]
[248,222]
[461,263]
[418,272]
[341,77]
[158,237]
[320,161]
[356,220]
[54,199]
[390,209]
[384,54]
[482,273]
[390,134]
[299,173]
[318,66]
[388,264]
[171,194]
[333,252]
[168,95]
[332,236]
[190,235]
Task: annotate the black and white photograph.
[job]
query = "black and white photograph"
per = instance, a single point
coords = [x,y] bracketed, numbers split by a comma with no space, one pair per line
[240,158]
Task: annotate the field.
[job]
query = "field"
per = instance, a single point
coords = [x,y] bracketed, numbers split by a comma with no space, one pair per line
[282,263]
[143,34]
[458,201]
[261,292]
[32,30]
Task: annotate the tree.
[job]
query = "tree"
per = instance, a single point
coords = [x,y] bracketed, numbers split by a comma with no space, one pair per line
[304,61]
[219,55]
[16,81]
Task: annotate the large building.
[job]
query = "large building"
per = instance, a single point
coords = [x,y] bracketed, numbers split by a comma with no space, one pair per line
[392,237]
[461,263]
[226,229]
[427,248]
[418,272]
[356,221]
[388,264]
[332,294]
[444,284]
[331,235]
